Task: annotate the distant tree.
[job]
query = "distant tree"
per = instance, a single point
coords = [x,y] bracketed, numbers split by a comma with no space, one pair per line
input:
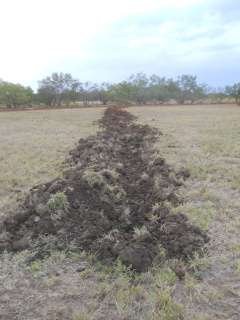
[217,94]
[233,91]
[46,95]
[57,88]
[158,89]
[15,95]
[187,89]
[73,95]
[200,93]
[173,89]
[123,92]
[139,83]
[87,92]
[104,92]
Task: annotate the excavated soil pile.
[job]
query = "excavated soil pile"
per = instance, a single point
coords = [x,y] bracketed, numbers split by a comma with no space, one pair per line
[114,200]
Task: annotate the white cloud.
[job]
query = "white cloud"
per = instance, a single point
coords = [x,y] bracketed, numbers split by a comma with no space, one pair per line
[98,39]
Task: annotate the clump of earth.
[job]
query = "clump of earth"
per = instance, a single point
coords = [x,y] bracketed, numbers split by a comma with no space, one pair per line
[114,199]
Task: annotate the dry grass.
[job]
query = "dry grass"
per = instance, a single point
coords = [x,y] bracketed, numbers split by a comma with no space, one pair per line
[34,145]
[204,139]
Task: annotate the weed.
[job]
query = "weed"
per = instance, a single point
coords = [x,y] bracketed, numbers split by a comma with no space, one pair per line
[237,247]
[198,264]
[191,282]
[87,273]
[112,173]
[163,306]
[165,276]
[91,257]
[160,258]
[93,178]
[168,205]
[236,182]
[51,282]
[122,303]
[127,211]
[120,193]
[140,231]
[61,231]
[153,218]
[9,283]
[120,269]
[84,315]
[211,196]
[57,202]
[36,265]
[62,313]
[76,256]
[199,216]
[238,268]
[98,180]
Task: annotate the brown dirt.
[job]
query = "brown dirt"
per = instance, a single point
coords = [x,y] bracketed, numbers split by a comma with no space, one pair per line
[117,187]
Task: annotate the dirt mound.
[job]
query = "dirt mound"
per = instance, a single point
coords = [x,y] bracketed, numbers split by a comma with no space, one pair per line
[113,200]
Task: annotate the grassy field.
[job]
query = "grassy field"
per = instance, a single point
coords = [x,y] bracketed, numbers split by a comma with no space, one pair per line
[204,139]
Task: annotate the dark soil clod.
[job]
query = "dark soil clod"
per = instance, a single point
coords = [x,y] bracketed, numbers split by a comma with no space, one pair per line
[111,200]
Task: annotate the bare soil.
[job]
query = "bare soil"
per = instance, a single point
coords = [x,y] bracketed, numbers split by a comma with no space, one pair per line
[117,189]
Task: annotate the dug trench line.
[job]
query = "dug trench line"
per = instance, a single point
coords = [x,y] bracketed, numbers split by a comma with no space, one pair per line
[113,200]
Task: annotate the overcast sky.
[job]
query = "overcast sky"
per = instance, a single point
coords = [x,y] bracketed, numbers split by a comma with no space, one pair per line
[106,40]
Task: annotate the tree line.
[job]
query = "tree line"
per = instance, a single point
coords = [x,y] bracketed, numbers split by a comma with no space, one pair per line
[63,89]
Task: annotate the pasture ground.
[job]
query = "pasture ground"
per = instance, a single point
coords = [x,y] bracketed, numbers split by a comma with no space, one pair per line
[204,139]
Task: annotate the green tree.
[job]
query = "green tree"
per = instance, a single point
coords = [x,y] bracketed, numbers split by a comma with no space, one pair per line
[217,94]
[158,89]
[233,91]
[187,89]
[173,89]
[73,95]
[15,95]
[87,92]
[139,83]
[57,88]
[104,92]
[123,92]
